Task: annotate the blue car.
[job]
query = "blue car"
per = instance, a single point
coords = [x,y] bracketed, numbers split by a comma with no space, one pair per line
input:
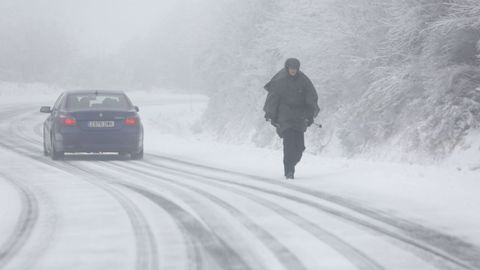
[92,122]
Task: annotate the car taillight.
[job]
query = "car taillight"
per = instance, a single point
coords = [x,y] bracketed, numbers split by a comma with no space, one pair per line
[69,121]
[131,121]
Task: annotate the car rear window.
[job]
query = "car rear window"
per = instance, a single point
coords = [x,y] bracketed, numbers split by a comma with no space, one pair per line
[97,101]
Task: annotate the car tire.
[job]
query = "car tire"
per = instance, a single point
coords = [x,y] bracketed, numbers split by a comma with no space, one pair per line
[45,152]
[56,155]
[137,155]
[123,155]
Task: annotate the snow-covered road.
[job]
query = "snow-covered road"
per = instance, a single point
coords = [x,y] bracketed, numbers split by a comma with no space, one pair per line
[194,205]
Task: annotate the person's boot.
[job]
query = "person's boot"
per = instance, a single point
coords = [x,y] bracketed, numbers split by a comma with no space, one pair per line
[289,175]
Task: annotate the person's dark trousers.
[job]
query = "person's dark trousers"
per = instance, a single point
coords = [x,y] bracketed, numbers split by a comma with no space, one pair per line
[293,147]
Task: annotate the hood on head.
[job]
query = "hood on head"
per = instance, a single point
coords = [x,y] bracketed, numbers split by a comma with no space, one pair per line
[293,63]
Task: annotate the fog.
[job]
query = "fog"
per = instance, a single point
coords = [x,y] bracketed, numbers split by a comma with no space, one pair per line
[95,27]
[381,67]
[102,43]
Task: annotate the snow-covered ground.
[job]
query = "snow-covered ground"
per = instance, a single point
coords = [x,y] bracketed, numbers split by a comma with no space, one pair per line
[194,203]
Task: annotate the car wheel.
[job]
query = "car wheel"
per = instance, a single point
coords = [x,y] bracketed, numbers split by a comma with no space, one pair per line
[137,155]
[56,155]
[45,152]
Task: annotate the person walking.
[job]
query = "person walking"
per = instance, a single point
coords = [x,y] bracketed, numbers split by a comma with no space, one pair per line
[290,106]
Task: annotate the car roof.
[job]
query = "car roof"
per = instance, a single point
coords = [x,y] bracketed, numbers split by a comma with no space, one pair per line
[98,92]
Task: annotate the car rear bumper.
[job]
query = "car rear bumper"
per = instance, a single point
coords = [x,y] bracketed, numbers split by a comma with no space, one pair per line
[129,140]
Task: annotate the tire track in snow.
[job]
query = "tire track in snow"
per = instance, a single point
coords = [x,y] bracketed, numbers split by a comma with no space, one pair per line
[146,248]
[25,224]
[288,259]
[457,247]
[458,259]
[355,256]
[29,215]
[194,254]
[285,256]
[219,251]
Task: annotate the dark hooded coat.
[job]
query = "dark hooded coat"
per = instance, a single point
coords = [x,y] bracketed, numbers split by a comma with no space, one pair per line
[291,101]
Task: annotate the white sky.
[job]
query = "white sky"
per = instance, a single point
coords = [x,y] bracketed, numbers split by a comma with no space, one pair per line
[98,26]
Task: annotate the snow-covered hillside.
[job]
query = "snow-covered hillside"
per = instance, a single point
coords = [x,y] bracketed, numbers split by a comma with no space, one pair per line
[396,79]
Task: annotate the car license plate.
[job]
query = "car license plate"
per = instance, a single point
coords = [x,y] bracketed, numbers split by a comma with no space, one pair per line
[101,124]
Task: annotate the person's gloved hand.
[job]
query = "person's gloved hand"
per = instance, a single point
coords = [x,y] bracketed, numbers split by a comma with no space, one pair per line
[275,124]
[309,121]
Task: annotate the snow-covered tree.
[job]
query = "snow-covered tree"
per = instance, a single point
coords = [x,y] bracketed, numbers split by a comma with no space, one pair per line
[393,76]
